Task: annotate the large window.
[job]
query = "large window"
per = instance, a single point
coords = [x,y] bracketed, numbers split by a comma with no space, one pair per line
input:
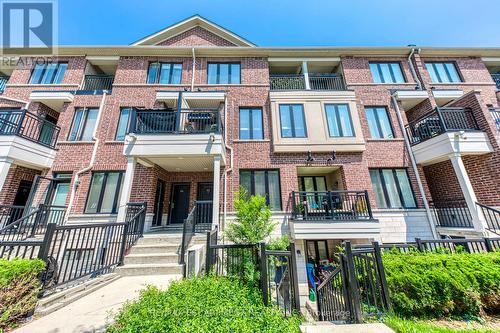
[164,73]
[104,193]
[251,124]
[339,121]
[443,72]
[265,183]
[123,123]
[83,125]
[48,73]
[379,123]
[387,72]
[293,123]
[219,73]
[392,188]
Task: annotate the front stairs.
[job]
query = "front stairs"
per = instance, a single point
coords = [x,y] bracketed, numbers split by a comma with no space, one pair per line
[156,253]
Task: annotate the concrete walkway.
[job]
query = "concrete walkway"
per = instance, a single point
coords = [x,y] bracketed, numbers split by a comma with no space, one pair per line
[325,327]
[92,313]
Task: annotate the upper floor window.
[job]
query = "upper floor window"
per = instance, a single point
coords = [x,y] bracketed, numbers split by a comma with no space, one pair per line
[48,73]
[392,188]
[123,123]
[228,73]
[339,121]
[164,73]
[265,183]
[82,128]
[251,124]
[104,192]
[387,72]
[379,123]
[443,72]
[293,123]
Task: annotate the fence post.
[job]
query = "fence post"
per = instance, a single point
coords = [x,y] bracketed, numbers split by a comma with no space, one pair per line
[208,258]
[124,244]
[295,279]
[353,285]
[43,253]
[263,273]
[368,206]
[420,246]
[381,274]
[488,245]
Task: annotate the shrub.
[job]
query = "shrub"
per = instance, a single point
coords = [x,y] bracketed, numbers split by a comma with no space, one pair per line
[401,325]
[207,304]
[19,287]
[433,285]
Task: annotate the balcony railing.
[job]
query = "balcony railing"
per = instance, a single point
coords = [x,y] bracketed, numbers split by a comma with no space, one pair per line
[496,78]
[98,82]
[3,82]
[495,113]
[452,214]
[28,126]
[169,121]
[439,121]
[297,82]
[331,205]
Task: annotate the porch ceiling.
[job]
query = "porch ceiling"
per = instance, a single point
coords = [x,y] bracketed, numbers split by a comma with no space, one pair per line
[184,163]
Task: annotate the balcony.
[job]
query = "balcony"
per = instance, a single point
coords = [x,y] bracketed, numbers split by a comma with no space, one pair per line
[3,82]
[496,78]
[495,113]
[19,129]
[342,214]
[97,84]
[327,82]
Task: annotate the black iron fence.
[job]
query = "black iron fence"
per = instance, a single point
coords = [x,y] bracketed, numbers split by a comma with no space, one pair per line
[29,126]
[317,81]
[326,82]
[3,82]
[492,217]
[452,214]
[287,82]
[438,121]
[9,214]
[185,121]
[496,78]
[98,82]
[495,113]
[203,215]
[330,205]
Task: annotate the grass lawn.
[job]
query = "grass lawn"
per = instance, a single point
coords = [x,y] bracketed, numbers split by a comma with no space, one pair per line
[419,326]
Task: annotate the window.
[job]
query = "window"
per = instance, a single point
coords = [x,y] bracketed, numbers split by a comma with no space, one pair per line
[293,124]
[164,73]
[223,73]
[392,188]
[83,125]
[123,123]
[443,72]
[104,193]
[379,123]
[251,124]
[339,121]
[265,183]
[48,73]
[312,183]
[387,72]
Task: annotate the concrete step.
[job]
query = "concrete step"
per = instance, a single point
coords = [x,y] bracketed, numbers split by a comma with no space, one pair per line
[154,248]
[149,269]
[151,258]
[167,239]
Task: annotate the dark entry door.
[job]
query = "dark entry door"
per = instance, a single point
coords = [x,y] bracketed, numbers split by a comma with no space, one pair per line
[158,208]
[23,192]
[179,205]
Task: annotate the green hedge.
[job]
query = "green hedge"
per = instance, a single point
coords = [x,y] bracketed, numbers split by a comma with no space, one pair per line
[207,304]
[19,287]
[433,285]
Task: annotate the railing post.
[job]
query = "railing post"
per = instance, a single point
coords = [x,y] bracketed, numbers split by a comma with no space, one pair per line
[420,245]
[368,205]
[294,207]
[353,284]
[295,278]
[43,253]
[441,120]
[178,113]
[208,255]
[381,273]
[20,122]
[330,204]
[488,245]
[263,273]
[124,244]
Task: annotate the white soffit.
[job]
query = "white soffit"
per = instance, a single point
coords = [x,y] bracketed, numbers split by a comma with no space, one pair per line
[443,97]
[410,98]
[52,99]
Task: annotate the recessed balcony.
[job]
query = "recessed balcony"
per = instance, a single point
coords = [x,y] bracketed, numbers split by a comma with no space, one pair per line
[97,84]
[317,81]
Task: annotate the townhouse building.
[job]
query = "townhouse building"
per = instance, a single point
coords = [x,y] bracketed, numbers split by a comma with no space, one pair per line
[359,143]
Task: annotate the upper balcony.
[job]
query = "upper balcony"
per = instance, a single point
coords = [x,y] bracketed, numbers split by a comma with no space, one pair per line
[99,75]
[27,138]
[3,82]
[97,84]
[496,78]
[445,131]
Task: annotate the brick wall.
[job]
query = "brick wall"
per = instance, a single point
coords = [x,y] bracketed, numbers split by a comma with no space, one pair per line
[196,36]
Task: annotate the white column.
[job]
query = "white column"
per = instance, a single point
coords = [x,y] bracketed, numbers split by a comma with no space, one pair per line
[305,71]
[215,208]
[5,164]
[478,220]
[126,189]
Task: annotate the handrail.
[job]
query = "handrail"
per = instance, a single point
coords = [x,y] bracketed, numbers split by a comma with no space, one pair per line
[9,214]
[452,213]
[98,82]
[492,217]
[317,81]
[29,126]
[188,229]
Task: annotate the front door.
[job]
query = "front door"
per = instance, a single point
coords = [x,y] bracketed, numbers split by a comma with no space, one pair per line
[22,195]
[179,205]
[158,208]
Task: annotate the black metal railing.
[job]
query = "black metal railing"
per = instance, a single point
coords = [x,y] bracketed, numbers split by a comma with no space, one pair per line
[452,214]
[287,82]
[9,214]
[29,126]
[317,81]
[326,82]
[185,121]
[496,78]
[492,217]
[134,226]
[495,113]
[203,215]
[188,230]
[3,82]
[331,205]
[98,82]
[438,121]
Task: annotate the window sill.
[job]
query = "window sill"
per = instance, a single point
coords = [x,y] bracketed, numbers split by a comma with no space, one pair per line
[250,140]
[42,85]
[75,142]
[385,140]
[114,141]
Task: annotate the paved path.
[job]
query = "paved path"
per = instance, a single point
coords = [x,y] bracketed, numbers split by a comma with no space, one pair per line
[350,328]
[91,313]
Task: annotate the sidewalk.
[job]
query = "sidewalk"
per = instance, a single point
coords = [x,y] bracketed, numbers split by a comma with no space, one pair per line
[92,313]
[325,327]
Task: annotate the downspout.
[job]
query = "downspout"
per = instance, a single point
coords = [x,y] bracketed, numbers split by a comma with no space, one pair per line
[412,69]
[414,167]
[76,183]
[227,170]
[193,69]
